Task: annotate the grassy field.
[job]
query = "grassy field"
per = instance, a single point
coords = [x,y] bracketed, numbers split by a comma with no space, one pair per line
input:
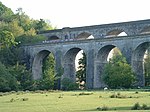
[78,101]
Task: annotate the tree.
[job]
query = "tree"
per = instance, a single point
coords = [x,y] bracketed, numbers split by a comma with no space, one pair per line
[118,73]
[7,81]
[12,27]
[7,39]
[48,80]
[147,69]
[23,76]
[16,30]
[81,73]
[5,13]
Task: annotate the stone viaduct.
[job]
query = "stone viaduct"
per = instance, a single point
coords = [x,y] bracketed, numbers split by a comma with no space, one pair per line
[65,43]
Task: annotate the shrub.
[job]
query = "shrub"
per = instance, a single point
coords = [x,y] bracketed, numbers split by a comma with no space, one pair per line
[136,106]
[118,73]
[118,95]
[113,96]
[83,93]
[145,107]
[104,108]
[67,84]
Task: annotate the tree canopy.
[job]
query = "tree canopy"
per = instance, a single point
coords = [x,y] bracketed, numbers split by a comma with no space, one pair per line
[118,73]
[17,29]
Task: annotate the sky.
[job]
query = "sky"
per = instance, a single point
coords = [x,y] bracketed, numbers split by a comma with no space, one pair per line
[76,13]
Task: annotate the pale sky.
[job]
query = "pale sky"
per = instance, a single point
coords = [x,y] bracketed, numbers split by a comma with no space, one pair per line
[76,13]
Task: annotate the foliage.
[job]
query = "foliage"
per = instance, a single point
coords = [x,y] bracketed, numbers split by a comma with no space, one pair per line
[16,30]
[118,95]
[28,39]
[23,76]
[7,81]
[67,84]
[81,73]
[11,56]
[6,39]
[118,74]
[147,70]
[104,108]
[47,82]
[137,106]
[59,73]
[5,13]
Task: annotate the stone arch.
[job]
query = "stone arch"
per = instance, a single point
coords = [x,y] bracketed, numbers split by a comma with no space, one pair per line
[145,30]
[101,60]
[137,62]
[116,32]
[104,52]
[37,64]
[84,35]
[69,63]
[53,37]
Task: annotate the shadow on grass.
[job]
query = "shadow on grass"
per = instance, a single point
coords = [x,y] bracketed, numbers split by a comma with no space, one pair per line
[109,109]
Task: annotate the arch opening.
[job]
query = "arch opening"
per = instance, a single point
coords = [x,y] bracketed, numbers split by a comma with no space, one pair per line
[84,35]
[107,52]
[43,68]
[104,55]
[72,69]
[138,62]
[116,33]
[52,38]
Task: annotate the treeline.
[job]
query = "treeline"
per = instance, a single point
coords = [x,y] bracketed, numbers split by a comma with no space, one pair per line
[17,29]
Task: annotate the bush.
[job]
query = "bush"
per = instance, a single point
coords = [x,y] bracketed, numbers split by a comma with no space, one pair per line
[83,93]
[145,107]
[7,81]
[118,73]
[136,106]
[118,95]
[104,108]
[67,84]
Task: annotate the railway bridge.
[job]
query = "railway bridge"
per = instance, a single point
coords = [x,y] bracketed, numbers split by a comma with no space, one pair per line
[96,42]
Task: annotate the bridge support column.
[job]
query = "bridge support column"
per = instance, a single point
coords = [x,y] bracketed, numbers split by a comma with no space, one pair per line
[90,69]
[139,71]
[127,53]
[98,79]
[58,69]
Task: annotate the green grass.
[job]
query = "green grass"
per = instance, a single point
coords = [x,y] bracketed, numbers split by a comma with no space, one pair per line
[78,101]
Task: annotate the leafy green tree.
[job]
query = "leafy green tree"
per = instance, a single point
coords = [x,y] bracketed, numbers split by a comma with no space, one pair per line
[11,56]
[24,77]
[68,85]
[48,80]
[41,25]
[7,81]
[6,39]
[16,30]
[28,39]
[118,73]
[23,20]
[147,69]
[12,27]
[81,73]
[5,13]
